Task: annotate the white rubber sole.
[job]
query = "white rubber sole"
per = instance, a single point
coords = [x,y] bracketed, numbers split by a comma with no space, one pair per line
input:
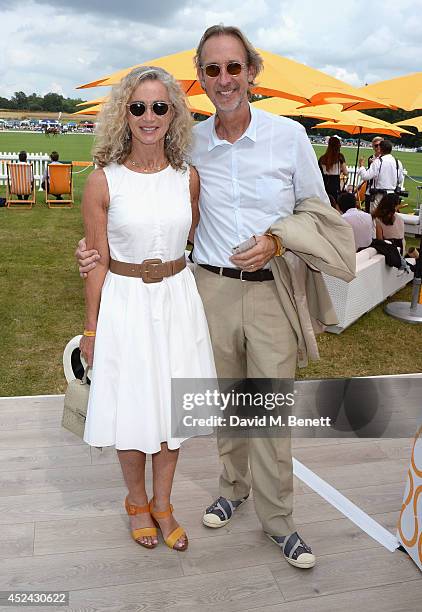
[301,564]
[307,562]
[209,520]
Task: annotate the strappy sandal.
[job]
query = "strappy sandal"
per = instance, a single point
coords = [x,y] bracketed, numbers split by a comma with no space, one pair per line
[176,534]
[142,532]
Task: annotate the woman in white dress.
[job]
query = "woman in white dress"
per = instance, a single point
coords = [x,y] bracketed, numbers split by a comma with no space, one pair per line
[145,322]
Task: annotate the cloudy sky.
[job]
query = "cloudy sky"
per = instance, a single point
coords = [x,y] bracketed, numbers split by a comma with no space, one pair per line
[54,45]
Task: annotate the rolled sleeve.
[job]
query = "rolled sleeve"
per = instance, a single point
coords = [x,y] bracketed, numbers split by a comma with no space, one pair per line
[371,173]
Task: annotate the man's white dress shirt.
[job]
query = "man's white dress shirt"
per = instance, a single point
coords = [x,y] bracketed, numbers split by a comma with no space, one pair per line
[247,185]
[383,171]
[362,226]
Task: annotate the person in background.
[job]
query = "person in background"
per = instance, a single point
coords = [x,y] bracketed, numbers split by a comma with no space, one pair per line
[376,153]
[361,222]
[23,159]
[385,172]
[333,165]
[54,157]
[388,225]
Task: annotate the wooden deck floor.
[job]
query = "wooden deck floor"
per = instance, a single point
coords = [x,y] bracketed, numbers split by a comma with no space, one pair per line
[64,528]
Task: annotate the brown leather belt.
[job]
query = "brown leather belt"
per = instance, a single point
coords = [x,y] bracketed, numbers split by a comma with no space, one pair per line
[150,270]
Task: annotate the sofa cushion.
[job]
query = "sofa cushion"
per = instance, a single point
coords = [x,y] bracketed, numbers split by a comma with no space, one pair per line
[364,255]
[410,219]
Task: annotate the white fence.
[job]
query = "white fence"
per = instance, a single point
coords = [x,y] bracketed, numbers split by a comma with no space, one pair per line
[38,160]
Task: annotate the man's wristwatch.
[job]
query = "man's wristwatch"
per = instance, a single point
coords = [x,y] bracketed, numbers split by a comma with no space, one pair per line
[280,250]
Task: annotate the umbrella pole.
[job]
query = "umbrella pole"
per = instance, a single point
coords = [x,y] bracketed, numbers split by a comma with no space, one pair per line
[356,162]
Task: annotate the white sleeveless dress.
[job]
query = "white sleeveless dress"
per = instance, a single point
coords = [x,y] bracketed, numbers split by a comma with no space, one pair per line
[146,333]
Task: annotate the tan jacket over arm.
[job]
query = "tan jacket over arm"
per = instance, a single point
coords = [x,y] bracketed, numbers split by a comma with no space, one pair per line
[318,240]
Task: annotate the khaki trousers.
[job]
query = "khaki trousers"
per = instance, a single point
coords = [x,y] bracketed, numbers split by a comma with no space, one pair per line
[252,338]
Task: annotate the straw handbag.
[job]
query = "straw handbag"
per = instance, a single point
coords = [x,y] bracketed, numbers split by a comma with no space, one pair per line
[76,404]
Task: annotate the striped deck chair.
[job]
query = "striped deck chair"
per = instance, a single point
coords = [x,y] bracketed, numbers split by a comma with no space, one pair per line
[59,183]
[20,186]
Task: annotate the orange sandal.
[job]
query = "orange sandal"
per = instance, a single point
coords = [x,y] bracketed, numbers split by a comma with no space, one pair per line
[176,534]
[142,532]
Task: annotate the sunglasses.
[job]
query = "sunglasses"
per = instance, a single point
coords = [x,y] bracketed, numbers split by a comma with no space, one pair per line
[233,68]
[137,109]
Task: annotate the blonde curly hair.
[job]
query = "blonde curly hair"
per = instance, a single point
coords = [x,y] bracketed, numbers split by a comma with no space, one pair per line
[113,138]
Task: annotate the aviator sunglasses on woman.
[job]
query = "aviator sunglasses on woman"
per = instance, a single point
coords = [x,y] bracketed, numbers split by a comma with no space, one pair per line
[137,109]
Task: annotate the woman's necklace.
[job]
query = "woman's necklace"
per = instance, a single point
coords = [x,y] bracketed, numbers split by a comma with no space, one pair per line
[149,169]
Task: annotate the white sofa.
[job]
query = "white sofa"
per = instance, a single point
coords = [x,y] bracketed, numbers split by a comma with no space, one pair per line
[374,282]
[412,223]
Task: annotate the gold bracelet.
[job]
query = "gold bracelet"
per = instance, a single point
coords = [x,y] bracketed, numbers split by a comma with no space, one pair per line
[89,334]
[279,248]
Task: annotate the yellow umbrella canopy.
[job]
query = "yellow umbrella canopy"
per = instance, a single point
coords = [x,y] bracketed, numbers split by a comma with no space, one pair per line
[92,110]
[201,104]
[403,92]
[331,112]
[93,102]
[281,77]
[414,122]
[354,122]
[291,108]
[179,64]
[286,78]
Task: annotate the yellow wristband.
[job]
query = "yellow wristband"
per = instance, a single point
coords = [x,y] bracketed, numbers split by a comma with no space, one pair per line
[89,334]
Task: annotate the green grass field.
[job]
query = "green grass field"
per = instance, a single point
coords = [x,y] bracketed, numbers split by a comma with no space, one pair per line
[70,146]
[41,304]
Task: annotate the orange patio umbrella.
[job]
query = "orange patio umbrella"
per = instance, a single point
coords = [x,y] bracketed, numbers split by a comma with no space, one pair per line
[287,78]
[92,110]
[291,108]
[402,92]
[93,102]
[179,64]
[414,122]
[281,77]
[363,127]
[201,104]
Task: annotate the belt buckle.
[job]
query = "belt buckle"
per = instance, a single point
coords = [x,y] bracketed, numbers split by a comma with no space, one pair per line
[147,273]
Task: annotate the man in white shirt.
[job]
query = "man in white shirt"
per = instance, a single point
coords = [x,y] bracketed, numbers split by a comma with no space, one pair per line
[254,168]
[361,222]
[386,172]
[376,153]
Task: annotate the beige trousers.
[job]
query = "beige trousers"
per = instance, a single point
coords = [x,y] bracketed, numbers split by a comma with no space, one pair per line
[252,338]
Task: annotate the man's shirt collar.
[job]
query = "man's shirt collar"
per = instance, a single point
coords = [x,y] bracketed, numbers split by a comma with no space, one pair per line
[250,132]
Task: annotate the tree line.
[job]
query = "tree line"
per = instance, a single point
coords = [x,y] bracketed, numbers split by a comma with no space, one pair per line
[51,102]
